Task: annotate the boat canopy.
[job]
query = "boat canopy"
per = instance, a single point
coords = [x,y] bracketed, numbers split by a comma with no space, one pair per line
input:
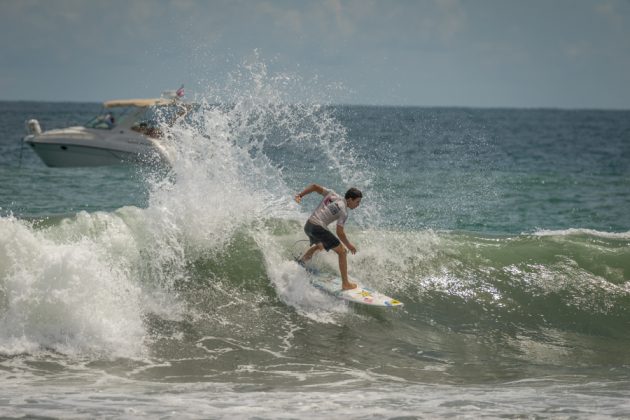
[140,103]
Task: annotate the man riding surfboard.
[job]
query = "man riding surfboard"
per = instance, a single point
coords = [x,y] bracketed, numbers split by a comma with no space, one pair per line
[332,207]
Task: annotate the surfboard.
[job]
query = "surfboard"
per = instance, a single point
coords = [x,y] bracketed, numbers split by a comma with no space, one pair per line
[361,294]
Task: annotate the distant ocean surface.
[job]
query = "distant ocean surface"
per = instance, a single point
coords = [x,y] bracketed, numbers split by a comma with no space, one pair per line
[132,292]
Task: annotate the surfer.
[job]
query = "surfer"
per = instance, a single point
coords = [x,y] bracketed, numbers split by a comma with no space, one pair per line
[332,207]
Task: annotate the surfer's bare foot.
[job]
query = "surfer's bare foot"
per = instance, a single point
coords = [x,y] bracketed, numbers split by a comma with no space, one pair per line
[348,286]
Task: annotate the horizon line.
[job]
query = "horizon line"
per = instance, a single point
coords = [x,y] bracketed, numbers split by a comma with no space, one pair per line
[486,107]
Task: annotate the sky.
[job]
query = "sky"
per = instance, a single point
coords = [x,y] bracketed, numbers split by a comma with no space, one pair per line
[471,53]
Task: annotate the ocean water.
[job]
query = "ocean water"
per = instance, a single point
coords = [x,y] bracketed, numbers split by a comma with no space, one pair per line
[132,292]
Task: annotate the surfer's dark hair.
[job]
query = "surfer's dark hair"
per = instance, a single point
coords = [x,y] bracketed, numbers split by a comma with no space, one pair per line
[353,193]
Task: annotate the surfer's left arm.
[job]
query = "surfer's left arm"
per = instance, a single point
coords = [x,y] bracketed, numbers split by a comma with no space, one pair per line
[341,234]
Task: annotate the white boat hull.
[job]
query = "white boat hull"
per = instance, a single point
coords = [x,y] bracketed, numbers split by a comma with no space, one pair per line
[79,147]
[55,155]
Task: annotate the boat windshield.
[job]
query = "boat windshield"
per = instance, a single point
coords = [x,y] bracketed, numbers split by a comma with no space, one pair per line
[105,121]
[147,120]
[115,117]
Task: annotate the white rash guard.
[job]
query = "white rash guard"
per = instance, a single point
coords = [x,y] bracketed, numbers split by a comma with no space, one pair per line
[333,207]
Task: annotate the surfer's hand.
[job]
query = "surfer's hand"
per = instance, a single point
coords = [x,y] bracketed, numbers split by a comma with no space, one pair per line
[298,198]
[352,249]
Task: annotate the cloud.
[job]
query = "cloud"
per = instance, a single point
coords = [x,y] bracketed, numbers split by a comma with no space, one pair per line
[451,19]
[364,44]
[612,10]
[290,20]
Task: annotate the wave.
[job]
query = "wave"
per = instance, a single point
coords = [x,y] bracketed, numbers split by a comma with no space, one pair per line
[210,258]
[103,282]
[97,282]
[61,290]
[571,283]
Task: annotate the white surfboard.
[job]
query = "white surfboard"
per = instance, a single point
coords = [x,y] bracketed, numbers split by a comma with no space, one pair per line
[361,294]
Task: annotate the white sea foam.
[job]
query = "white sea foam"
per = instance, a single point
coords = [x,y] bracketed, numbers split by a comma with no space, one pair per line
[68,296]
[115,398]
[292,284]
[587,232]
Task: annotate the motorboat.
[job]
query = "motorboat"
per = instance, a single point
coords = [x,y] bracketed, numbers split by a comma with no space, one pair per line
[127,130]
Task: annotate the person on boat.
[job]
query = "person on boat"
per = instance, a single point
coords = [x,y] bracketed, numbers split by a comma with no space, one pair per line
[332,207]
[109,121]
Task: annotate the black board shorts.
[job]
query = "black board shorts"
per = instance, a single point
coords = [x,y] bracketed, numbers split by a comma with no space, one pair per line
[319,235]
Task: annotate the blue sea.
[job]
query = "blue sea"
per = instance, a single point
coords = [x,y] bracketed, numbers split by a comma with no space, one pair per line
[139,292]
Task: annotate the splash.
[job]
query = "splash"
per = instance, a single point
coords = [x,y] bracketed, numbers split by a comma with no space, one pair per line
[231,166]
[90,284]
[67,294]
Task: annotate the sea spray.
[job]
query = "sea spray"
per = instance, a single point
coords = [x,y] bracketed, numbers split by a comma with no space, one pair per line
[228,169]
[95,282]
[291,280]
[68,296]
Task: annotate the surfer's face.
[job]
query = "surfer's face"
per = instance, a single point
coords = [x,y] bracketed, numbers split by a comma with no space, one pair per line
[353,203]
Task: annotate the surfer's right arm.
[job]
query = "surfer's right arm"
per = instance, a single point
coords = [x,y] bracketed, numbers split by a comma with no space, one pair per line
[311,188]
[341,234]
